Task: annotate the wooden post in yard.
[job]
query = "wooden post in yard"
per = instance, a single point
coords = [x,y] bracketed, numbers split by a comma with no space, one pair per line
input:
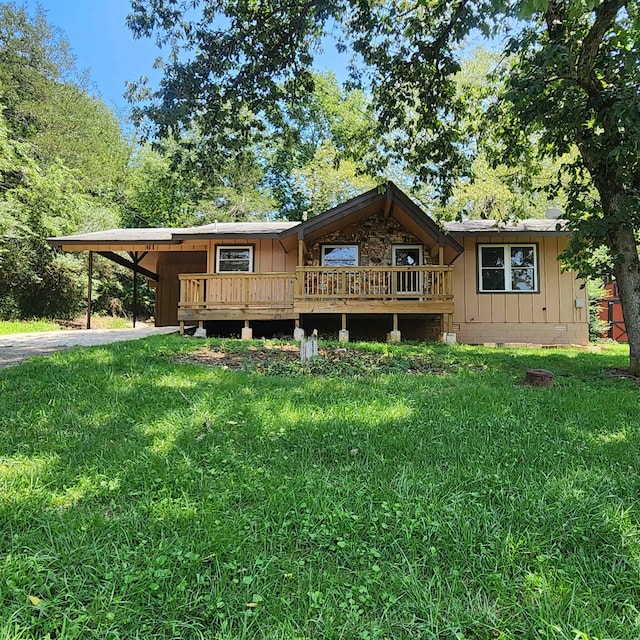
[89,289]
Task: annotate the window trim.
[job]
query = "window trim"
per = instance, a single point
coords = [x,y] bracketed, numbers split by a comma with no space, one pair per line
[507,246]
[250,248]
[340,245]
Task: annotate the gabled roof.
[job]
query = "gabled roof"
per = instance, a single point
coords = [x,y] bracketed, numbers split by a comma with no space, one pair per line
[236,229]
[174,236]
[117,236]
[390,199]
[387,198]
[530,226]
[388,193]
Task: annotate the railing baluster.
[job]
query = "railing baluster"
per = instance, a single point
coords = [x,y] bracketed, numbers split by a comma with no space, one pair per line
[215,291]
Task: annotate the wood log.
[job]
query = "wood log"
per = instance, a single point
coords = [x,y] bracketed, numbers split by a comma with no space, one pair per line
[539,378]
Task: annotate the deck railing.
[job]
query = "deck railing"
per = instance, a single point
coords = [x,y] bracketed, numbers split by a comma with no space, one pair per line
[282,290]
[374,283]
[214,290]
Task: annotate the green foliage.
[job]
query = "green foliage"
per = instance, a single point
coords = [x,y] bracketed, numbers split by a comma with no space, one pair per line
[326,181]
[82,132]
[62,162]
[198,502]
[597,293]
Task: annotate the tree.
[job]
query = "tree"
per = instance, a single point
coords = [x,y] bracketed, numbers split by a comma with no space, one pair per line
[62,163]
[571,79]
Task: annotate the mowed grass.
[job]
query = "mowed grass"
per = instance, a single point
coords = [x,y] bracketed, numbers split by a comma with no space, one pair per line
[143,496]
[97,322]
[27,326]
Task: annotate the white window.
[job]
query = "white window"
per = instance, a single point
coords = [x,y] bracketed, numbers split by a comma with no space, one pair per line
[507,267]
[340,255]
[234,259]
[408,255]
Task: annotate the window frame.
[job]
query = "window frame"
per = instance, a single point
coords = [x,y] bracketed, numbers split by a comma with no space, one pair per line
[339,245]
[395,247]
[507,246]
[249,247]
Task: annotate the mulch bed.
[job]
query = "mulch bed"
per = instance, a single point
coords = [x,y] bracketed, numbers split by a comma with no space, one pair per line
[285,359]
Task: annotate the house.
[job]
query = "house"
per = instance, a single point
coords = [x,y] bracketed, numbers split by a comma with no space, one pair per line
[375,265]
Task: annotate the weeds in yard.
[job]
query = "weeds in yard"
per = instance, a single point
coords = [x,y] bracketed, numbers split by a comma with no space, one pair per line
[145,494]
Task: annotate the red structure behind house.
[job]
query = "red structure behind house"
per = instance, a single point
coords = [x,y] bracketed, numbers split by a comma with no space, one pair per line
[611,312]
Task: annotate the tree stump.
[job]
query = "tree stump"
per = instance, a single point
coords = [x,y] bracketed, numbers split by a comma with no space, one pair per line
[539,378]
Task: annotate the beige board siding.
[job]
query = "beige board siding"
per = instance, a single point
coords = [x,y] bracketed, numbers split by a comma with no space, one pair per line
[269,256]
[168,289]
[550,316]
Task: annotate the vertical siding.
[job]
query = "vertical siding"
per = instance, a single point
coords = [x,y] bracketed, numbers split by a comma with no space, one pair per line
[268,255]
[511,316]
[167,292]
[551,279]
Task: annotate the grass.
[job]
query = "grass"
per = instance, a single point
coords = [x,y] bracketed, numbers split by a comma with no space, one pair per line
[97,322]
[27,326]
[144,495]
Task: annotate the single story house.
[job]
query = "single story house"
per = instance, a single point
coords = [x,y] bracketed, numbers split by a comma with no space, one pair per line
[375,264]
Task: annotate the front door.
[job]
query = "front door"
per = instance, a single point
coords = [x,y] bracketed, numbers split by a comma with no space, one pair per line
[408,282]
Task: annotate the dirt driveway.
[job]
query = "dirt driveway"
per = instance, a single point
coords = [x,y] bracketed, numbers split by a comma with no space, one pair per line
[15,348]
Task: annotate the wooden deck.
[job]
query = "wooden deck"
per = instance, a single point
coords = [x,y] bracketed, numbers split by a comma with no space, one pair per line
[274,296]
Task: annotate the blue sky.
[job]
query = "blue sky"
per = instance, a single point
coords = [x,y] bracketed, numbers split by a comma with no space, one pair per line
[103,45]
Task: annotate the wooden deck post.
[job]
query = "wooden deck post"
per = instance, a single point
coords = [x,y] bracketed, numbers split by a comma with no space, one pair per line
[89,289]
[343,334]
[247,332]
[394,335]
[300,253]
[441,256]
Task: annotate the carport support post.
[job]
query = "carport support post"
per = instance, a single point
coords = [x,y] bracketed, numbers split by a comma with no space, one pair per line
[135,297]
[89,287]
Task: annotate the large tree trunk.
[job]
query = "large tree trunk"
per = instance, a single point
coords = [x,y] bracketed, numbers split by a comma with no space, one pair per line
[622,242]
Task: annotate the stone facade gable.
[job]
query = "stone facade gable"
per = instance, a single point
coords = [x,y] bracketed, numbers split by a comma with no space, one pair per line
[375,236]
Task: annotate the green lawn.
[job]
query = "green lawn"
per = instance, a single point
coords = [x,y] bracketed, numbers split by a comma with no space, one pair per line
[27,326]
[145,496]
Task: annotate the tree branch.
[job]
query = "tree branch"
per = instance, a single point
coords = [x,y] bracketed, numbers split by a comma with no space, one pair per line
[605,17]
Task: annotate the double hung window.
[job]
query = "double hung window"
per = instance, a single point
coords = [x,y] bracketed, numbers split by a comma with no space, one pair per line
[507,268]
[232,259]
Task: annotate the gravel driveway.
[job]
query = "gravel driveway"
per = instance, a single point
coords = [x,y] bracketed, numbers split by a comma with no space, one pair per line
[16,347]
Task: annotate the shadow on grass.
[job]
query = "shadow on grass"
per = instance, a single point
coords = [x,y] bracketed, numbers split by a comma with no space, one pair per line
[142,496]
